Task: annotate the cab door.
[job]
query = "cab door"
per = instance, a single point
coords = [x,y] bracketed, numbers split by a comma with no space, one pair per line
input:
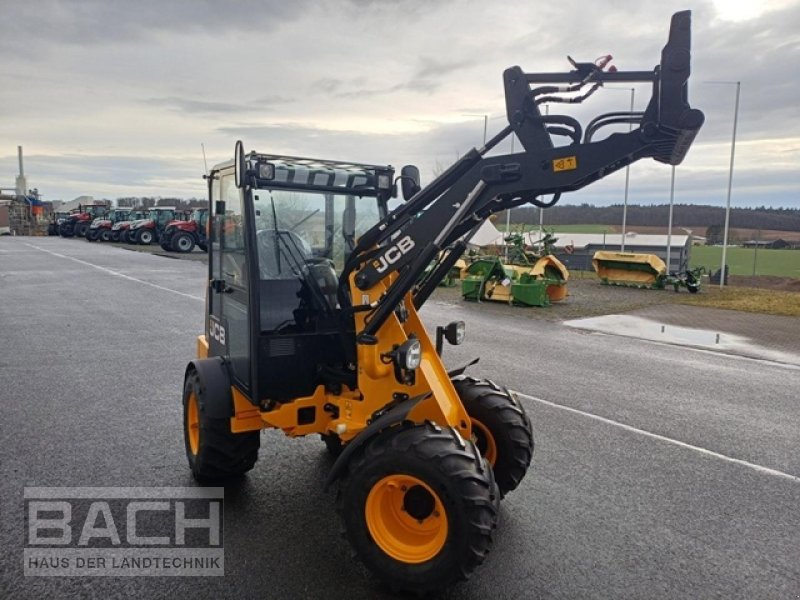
[229,331]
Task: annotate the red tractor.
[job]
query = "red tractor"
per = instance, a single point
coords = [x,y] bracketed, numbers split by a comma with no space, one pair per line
[78,223]
[100,229]
[148,230]
[120,229]
[182,236]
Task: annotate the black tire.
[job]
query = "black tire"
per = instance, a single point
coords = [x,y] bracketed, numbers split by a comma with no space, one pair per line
[218,454]
[502,427]
[91,235]
[460,483]
[66,231]
[105,235]
[145,237]
[333,444]
[183,242]
[125,236]
[115,236]
[81,229]
[202,246]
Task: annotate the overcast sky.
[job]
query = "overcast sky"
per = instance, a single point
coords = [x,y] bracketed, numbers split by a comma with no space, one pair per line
[114,98]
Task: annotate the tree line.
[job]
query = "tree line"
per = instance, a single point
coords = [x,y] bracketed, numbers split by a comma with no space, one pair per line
[684,215]
[151,201]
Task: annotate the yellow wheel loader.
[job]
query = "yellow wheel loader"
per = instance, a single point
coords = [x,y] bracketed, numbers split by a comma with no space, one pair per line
[313,324]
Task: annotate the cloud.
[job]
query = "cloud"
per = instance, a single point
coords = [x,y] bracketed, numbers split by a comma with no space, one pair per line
[204,107]
[107,82]
[102,21]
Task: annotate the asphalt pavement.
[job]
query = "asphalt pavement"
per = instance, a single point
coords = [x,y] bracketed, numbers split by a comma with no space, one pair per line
[660,471]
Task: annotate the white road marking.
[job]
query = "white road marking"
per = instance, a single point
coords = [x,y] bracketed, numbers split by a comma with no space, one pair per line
[655,436]
[117,273]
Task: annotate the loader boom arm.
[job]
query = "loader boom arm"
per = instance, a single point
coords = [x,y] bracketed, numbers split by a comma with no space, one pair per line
[445,213]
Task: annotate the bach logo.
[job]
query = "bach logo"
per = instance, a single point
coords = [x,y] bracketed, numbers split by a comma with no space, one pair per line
[394,253]
[123,531]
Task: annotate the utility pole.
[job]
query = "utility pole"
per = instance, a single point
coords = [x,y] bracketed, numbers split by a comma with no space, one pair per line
[738,85]
[669,225]
[627,183]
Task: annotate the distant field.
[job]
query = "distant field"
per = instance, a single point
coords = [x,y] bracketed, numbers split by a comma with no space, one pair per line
[587,228]
[781,263]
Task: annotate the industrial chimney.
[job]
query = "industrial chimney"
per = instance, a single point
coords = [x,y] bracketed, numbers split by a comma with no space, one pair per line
[22,184]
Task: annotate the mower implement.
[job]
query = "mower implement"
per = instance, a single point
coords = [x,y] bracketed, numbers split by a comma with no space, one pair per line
[540,284]
[630,270]
[312,322]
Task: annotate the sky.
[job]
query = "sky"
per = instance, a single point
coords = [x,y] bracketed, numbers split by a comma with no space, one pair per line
[113,99]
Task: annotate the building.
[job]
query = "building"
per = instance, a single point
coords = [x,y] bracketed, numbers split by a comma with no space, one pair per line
[771,244]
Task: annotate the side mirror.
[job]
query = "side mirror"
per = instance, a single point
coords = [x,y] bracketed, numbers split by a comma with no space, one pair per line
[409,181]
[239,165]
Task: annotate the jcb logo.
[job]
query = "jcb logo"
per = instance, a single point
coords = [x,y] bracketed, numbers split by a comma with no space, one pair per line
[393,254]
[217,331]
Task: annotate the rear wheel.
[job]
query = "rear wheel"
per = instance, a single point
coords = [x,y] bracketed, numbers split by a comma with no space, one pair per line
[144,237]
[115,236]
[214,452]
[500,428]
[105,235]
[81,229]
[183,242]
[125,236]
[419,506]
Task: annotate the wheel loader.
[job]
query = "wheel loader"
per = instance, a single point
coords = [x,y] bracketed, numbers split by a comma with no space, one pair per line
[313,324]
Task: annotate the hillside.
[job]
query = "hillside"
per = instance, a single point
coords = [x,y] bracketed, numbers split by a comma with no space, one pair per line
[695,217]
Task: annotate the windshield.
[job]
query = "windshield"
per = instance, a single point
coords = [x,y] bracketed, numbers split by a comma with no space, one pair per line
[293,226]
[200,217]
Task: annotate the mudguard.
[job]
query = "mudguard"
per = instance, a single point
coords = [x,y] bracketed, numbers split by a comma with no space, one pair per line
[215,386]
[393,416]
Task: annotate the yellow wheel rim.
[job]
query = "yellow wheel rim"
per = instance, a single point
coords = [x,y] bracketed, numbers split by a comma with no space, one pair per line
[484,440]
[406,519]
[193,423]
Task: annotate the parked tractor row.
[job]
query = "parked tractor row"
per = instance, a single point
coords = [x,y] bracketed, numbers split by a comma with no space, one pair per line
[174,230]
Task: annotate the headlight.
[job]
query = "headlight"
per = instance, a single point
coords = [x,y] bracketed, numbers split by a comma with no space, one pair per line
[266,170]
[455,332]
[406,359]
[409,354]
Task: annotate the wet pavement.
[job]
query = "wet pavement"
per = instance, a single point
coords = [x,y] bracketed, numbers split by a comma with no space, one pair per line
[660,471]
[772,332]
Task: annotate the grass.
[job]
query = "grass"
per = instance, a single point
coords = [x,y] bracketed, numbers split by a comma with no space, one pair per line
[752,300]
[780,263]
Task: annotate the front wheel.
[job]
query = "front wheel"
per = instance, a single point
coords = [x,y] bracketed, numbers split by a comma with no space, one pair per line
[183,242]
[419,505]
[144,237]
[215,453]
[500,428]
